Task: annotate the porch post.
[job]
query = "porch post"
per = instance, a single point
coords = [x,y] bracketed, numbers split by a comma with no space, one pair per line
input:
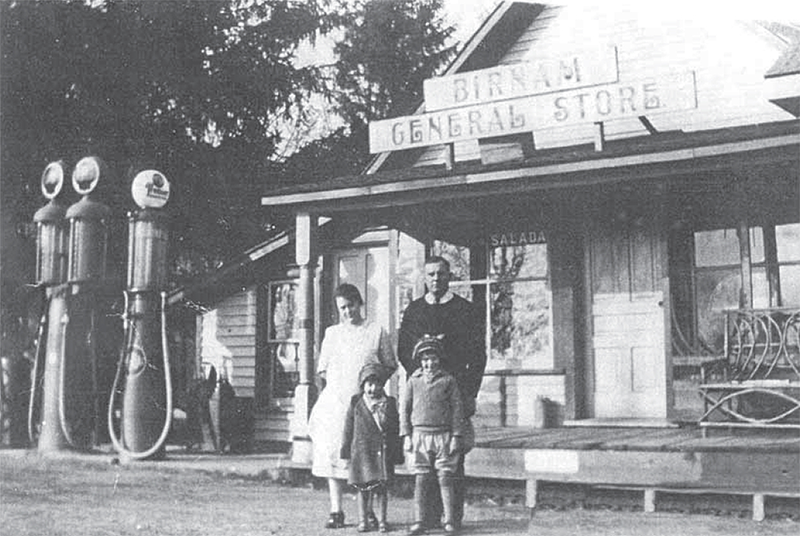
[305,392]
[746,270]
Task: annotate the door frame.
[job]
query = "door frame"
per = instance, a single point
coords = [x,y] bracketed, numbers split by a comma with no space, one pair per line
[657,205]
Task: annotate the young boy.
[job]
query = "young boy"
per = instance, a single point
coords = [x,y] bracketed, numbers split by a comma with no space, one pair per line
[372,444]
[431,424]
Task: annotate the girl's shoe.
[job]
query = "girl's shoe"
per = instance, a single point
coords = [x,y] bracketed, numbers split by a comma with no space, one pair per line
[372,520]
[363,527]
[416,529]
[383,527]
[449,528]
[335,521]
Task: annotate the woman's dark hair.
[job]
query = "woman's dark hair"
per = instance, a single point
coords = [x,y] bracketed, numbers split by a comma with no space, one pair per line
[348,292]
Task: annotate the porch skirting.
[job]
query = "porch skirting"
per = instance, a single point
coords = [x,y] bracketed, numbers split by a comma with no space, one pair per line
[652,460]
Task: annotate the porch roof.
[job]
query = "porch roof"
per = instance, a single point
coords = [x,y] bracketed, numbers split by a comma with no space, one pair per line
[783,79]
[661,154]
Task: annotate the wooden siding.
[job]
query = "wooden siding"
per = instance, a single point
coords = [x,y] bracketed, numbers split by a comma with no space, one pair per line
[228,340]
[729,58]
[515,401]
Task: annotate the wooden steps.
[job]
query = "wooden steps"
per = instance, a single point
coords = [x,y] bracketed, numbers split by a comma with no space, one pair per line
[272,426]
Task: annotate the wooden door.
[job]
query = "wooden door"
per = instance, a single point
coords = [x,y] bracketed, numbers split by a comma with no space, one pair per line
[629,372]
[368,269]
[629,356]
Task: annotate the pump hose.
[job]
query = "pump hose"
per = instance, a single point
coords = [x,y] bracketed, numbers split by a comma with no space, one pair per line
[62,410]
[167,381]
[120,364]
[62,383]
[33,436]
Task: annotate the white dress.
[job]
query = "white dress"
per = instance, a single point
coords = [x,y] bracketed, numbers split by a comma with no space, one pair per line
[346,348]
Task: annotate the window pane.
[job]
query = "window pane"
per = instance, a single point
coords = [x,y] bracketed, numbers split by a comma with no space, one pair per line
[760,289]
[757,244]
[788,239]
[521,334]
[457,256]
[513,262]
[721,247]
[790,285]
[282,300]
[463,289]
[716,248]
[718,290]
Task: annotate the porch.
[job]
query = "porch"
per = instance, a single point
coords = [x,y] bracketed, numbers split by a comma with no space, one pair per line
[654,466]
[652,461]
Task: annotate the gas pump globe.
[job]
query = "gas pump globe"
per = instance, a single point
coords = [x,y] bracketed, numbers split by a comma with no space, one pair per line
[51,242]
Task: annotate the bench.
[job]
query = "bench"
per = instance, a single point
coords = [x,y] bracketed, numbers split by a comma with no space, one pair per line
[757,383]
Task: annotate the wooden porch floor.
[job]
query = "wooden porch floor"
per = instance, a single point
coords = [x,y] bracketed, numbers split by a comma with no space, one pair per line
[654,461]
[643,439]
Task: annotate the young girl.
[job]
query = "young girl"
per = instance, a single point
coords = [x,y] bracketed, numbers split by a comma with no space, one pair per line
[372,444]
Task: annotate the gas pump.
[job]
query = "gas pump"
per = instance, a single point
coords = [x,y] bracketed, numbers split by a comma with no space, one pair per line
[51,270]
[70,398]
[146,412]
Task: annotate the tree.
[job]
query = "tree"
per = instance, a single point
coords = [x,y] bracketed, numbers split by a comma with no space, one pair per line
[196,88]
[389,48]
[201,90]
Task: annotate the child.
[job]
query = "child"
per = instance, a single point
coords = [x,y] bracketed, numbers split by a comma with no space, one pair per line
[372,444]
[431,424]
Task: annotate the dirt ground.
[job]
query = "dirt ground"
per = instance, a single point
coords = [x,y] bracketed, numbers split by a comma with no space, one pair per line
[49,497]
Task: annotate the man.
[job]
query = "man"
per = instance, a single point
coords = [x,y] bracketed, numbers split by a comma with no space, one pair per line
[440,312]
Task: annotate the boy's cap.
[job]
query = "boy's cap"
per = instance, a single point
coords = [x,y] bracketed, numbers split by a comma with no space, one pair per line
[381,372]
[429,343]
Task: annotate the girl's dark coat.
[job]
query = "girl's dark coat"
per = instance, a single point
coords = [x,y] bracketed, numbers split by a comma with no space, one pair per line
[372,452]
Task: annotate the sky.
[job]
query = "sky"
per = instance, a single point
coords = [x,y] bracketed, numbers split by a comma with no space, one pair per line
[466,15]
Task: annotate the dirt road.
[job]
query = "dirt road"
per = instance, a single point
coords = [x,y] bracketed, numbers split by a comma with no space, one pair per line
[50,497]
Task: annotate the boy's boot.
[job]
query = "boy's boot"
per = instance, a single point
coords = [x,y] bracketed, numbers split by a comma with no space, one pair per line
[421,486]
[448,502]
[363,511]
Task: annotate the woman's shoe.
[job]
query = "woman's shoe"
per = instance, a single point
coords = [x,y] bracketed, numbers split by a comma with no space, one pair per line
[363,527]
[383,527]
[449,528]
[335,521]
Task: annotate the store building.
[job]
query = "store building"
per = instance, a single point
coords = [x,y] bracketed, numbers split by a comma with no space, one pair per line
[605,187]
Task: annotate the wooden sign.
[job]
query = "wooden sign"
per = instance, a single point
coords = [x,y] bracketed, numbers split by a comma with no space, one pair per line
[588,105]
[517,238]
[522,79]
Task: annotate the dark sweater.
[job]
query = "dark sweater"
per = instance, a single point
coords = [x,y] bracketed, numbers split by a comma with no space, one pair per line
[460,322]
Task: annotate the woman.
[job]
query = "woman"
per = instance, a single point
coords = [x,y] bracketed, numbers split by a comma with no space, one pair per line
[346,348]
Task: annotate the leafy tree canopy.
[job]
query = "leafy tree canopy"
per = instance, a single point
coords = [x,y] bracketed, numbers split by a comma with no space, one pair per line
[202,90]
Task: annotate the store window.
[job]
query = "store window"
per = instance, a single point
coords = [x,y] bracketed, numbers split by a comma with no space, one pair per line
[282,339]
[513,285]
[718,281]
[787,240]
